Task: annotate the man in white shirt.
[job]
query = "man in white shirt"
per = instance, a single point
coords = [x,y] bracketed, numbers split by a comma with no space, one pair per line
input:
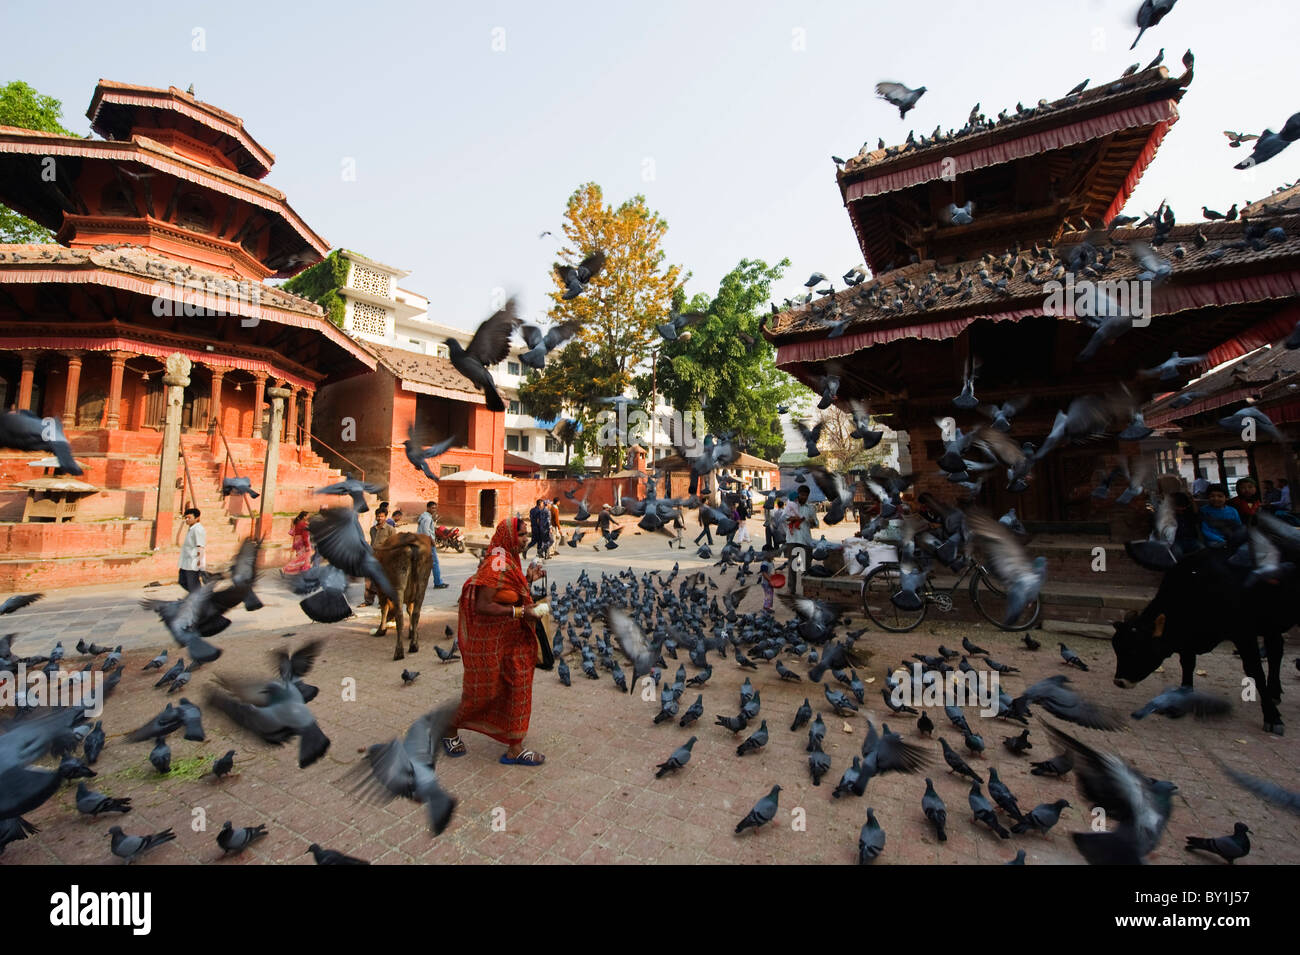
[803,518]
[193,557]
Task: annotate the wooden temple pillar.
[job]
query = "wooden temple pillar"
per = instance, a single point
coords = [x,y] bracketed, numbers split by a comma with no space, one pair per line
[259,396]
[71,389]
[266,509]
[1196,465]
[214,402]
[176,378]
[1223,470]
[1251,468]
[291,417]
[26,381]
[307,395]
[113,409]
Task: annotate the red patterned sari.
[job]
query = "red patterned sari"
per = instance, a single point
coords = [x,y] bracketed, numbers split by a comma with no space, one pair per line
[499,653]
[300,556]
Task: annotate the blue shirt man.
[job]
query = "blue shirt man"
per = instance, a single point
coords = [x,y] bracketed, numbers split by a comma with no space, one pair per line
[424,524]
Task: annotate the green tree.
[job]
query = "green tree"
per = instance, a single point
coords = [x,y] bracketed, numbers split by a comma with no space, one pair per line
[23,106]
[726,367]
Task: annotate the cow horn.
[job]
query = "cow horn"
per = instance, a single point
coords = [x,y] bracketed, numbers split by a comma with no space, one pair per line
[1158,628]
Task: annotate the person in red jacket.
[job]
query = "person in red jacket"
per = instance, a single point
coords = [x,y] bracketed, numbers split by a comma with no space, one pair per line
[1247,501]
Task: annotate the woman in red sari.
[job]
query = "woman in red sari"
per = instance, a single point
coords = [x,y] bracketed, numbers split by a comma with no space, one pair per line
[300,556]
[498,648]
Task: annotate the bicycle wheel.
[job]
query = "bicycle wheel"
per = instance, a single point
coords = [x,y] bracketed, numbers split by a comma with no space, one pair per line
[991,601]
[879,586]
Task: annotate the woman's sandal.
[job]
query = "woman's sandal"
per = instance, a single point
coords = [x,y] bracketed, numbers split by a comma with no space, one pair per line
[525,758]
[454,746]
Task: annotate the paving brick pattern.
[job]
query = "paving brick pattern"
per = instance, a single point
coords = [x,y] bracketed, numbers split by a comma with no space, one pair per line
[596,800]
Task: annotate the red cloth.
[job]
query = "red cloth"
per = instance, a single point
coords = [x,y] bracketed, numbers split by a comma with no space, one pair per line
[499,653]
[300,557]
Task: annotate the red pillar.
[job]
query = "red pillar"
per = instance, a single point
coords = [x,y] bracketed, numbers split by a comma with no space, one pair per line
[113,410]
[71,390]
[214,404]
[25,382]
[259,395]
[291,417]
[307,396]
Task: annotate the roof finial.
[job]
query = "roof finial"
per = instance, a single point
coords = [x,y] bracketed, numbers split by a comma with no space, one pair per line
[190,91]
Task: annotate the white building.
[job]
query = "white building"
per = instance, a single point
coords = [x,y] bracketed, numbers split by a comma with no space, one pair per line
[377,310]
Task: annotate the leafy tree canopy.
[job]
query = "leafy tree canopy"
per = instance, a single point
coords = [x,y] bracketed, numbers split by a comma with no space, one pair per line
[25,107]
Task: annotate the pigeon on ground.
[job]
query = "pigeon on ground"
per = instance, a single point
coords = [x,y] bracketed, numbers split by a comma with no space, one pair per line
[1058,765]
[1018,744]
[1072,658]
[819,764]
[1229,848]
[871,841]
[935,811]
[91,803]
[1041,818]
[223,765]
[234,841]
[755,742]
[764,811]
[161,756]
[956,764]
[679,758]
[408,676]
[801,716]
[692,714]
[131,848]
[331,857]
[816,732]
[982,811]
[94,743]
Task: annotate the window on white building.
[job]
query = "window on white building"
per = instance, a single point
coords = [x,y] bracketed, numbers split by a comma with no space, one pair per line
[517,442]
[553,446]
[441,351]
[369,319]
[513,407]
[523,443]
[512,368]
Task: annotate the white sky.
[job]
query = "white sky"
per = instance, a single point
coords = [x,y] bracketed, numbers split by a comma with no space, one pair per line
[463,154]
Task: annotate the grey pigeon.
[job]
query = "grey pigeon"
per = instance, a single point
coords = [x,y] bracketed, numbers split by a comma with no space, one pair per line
[131,848]
[871,841]
[418,455]
[1072,658]
[15,829]
[1058,765]
[332,857]
[935,811]
[956,764]
[679,758]
[407,768]
[26,431]
[1055,696]
[234,841]
[1137,807]
[764,811]
[819,764]
[338,538]
[756,741]
[222,766]
[1229,848]
[982,811]
[1041,818]
[357,490]
[1149,14]
[900,96]
[801,716]
[94,743]
[161,756]
[489,346]
[1181,700]
[575,278]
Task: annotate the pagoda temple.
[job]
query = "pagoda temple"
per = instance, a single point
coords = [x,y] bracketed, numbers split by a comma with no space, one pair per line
[948,292]
[154,294]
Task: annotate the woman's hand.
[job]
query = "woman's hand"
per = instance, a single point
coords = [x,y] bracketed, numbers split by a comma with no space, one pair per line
[535,571]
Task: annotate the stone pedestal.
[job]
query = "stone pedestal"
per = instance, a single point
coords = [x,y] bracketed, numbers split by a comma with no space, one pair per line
[266,511]
[176,377]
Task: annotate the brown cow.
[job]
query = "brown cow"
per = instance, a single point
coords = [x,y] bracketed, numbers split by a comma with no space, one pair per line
[407,559]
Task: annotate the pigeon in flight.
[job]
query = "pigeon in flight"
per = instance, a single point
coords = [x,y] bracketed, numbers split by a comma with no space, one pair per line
[26,431]
[541,343]
[574,278]
[1149,14]
[407,767]
[489,346]
[418,455]
[899,95]
[358,490]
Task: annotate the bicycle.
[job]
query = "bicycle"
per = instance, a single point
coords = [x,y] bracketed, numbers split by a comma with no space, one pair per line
[885,581]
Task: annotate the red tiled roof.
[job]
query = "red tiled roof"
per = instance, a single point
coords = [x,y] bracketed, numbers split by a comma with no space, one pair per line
[430,374]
